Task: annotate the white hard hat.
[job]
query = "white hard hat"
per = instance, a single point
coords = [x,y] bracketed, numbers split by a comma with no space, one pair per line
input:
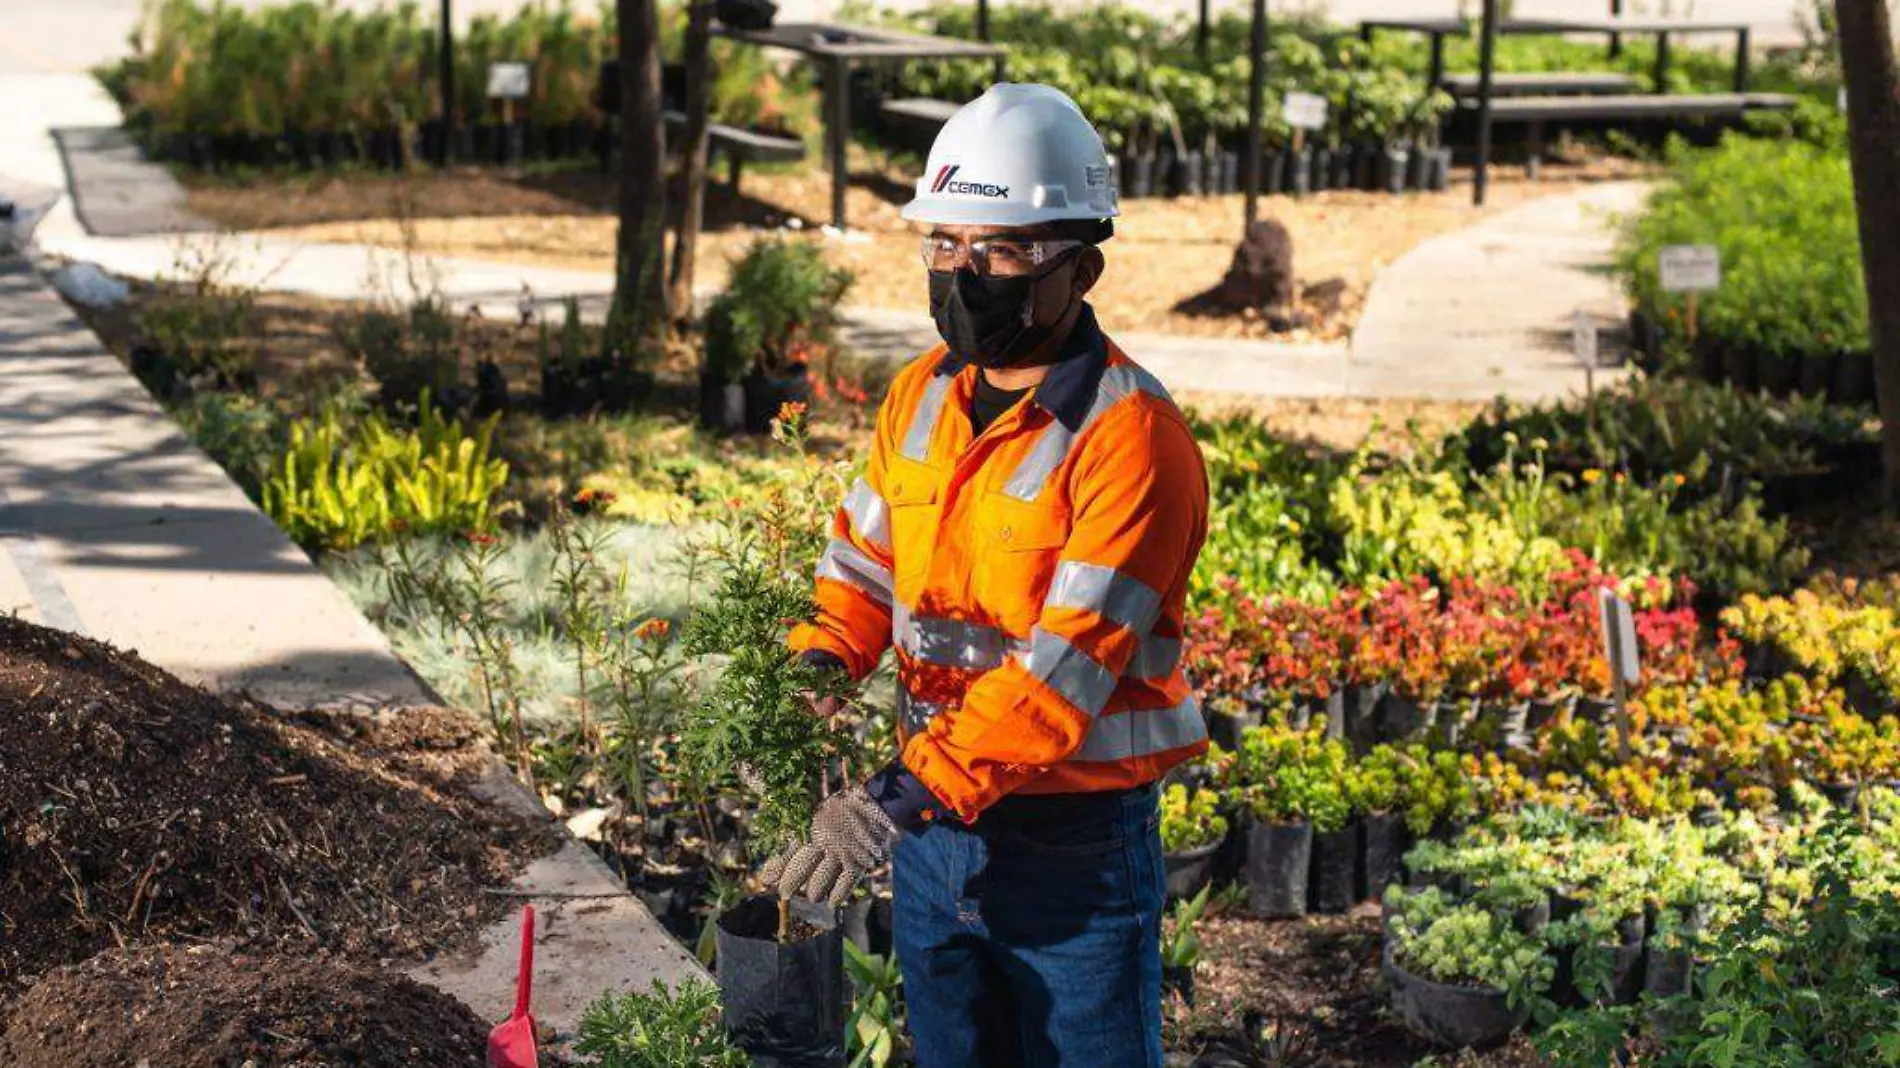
[1016,156]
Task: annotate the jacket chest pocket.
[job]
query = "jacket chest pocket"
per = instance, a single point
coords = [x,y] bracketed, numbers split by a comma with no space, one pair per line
[1017,545]
[912,491]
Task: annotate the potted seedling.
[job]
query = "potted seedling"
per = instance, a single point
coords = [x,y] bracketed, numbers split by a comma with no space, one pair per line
[1289,784]
[1192,831]
[1181,946]
[658,1028]
[1373,794]
[1597,927]
[1461,976]
[776,316]
[781,970]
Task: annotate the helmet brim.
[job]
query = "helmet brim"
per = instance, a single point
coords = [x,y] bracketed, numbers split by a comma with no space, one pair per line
[977,213]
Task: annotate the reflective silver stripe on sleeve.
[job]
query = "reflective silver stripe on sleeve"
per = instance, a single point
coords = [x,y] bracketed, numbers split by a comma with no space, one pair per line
[1143,732]
[947,642]
[924,422]
[916,715]
[1032,474]
[842,562]
[870,516]
[1156,658]
[1069,671]
[1105,591]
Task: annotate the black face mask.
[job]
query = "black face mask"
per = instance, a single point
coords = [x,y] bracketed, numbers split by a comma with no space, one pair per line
[985,320]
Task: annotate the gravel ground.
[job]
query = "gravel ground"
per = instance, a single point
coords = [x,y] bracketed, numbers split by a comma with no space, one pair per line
[1168,250]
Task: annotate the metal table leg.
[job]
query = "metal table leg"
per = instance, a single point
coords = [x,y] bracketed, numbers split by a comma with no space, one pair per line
[1662,63]
[838,126]
[1437,75]
[1741,60]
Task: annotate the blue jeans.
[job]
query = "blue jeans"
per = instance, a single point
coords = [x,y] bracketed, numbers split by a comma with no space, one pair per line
[1033,938]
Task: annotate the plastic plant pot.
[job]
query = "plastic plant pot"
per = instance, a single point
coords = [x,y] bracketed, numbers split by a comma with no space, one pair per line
[1141,175]
[721,404]
[1816,372]
[1666,972]
[1854,381]
[1190,175]
[1775,373]
[1418,169]
[1598,710]
[784,1002]
[1279,856]
[1226,727]
[1382,849]
[1229,173]
[1401,719]
[1451,721]
[1272,173]
[1335,864]
[1739,366]
[1191,869]
[1392,164]
[1322,169]
[1542,710]
[1454,1017]
[1342,168]
[766,393]
[1438,176]
[1299,172]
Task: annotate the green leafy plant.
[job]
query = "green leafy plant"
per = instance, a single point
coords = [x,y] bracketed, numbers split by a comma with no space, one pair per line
[1190,820]
[1287,776]
[339,485]
[778,309]
[875,1028]
[1181,943]
[659,1028]
[1470,945]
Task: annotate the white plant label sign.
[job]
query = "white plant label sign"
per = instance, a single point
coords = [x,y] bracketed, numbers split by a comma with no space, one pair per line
[1305,111]
[1689,268]
[508,81]
[1619,636]
[1583,337]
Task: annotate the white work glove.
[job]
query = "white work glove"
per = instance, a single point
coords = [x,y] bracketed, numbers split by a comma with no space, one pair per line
[850,836]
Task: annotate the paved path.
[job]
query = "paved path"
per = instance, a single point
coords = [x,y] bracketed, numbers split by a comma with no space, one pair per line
[1488,309]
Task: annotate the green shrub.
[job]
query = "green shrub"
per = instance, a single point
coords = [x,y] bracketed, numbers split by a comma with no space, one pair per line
[779,308]
[339,485]
[1286,776]
[659,1029]
[1782,213]
[1466,944]
[1190,820]
[410,355]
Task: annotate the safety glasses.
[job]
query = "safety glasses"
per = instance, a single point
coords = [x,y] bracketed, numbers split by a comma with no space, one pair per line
[998,257]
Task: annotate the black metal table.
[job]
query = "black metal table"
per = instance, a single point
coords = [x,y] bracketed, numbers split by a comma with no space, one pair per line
[840,47]
[1614,27]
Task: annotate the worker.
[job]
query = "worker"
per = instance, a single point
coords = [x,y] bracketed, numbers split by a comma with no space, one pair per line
[1022,538]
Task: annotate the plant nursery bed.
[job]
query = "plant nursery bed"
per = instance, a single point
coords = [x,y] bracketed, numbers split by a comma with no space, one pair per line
[1166,251]
[209,1006]
[1315,983]
[134,807]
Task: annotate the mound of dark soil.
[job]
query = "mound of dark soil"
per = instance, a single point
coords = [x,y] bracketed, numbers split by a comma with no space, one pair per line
[187,1008]
[133,807]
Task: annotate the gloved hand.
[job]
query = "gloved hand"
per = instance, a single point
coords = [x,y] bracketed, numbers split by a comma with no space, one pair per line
[850,836]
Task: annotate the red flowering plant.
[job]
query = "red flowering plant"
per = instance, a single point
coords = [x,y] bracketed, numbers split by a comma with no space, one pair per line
[1303,654]
[1263,652]
[1404,640]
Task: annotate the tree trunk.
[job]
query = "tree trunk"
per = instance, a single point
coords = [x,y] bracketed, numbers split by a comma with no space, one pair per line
[692,158]
[1873,135]
[639,293]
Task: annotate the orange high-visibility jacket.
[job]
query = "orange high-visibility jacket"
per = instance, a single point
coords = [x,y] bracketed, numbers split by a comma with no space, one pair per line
[1030,579]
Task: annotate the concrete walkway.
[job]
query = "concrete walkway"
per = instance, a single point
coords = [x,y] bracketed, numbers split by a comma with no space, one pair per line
[1488,310]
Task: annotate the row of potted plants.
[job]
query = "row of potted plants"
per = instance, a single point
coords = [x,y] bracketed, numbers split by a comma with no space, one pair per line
[1827,636]
[1535,912]
[1390,166]
[1466,663]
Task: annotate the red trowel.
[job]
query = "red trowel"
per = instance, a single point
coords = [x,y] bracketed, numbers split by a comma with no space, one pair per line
[511,1043]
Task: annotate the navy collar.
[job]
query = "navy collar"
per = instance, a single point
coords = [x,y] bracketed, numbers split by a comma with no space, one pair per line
[1068,391]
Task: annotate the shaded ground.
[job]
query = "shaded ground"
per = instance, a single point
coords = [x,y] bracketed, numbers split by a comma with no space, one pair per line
[1167,250]
[134,807]
[204,1007]
[1313,984]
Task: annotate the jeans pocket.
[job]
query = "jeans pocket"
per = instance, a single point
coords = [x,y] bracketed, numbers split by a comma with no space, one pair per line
[1095,835]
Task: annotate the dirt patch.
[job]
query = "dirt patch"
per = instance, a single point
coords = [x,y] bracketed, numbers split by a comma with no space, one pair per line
[1167,250]
[1315,983]
[135,807]
[205,1006]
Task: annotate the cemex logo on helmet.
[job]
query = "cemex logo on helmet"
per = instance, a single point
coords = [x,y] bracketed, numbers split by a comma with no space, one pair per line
[946,184]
